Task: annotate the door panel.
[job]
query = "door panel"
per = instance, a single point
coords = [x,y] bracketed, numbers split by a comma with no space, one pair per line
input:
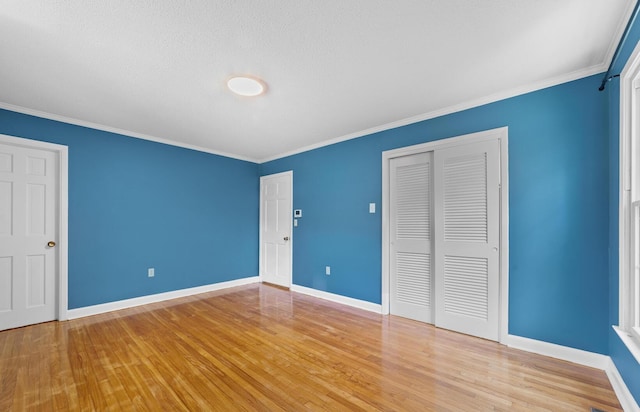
[466,285]
[411,274]
[6,283]
[467,243]
[28,210]
[276,212]
[36,281]
[6,208]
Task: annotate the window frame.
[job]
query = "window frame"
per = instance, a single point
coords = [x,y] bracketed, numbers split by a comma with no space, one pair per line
[629,206]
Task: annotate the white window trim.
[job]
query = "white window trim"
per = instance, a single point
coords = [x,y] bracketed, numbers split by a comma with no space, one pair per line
[629,194]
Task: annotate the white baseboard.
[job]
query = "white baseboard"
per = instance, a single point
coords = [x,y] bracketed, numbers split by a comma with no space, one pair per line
[144,300]
[356,303]
[623,393]
[581,357]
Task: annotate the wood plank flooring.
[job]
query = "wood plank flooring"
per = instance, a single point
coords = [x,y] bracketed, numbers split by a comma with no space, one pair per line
[260,348]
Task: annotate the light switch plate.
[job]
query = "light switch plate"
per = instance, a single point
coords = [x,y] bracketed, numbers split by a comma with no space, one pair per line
[372,208]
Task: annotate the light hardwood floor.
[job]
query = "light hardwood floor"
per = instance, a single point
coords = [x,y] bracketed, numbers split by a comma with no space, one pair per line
[260,348]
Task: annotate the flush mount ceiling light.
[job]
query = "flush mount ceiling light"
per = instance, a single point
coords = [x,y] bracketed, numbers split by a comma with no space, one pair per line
[246,86]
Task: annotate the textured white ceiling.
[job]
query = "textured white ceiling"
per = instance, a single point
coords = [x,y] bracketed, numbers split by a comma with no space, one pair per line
[335,68]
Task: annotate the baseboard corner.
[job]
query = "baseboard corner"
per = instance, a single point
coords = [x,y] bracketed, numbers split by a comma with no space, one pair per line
[623,393]
[581,357]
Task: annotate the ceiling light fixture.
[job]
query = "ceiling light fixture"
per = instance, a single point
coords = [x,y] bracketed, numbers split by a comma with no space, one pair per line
[246,86]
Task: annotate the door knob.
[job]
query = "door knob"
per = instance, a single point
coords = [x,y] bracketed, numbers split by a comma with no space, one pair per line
[286,238]
[51,243]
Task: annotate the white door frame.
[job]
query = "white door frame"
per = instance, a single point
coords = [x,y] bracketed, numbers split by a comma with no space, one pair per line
[501,134]
[63,214]
[291,237]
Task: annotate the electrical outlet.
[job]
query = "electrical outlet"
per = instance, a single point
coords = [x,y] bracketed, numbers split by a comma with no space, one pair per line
[327,270]
[151,272]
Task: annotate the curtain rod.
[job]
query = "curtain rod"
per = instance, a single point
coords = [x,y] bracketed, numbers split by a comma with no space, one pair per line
[607,77]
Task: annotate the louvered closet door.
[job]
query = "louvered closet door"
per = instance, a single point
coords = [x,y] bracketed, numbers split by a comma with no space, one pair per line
[466,197]
[411,274]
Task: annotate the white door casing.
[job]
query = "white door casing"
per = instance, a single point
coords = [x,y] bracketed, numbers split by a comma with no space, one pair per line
[411,230]
[32,214]
[467,240]
[276,214]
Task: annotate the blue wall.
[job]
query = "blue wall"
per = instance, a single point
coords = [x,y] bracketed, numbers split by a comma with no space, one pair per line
[625,362]
[559,189]
[135,204]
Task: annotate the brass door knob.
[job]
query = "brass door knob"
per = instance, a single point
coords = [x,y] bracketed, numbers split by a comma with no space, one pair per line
[51,243]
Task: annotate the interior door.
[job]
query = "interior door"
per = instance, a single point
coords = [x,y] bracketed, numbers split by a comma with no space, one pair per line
[467,196]
[28,210]
[411,227]
[276,215]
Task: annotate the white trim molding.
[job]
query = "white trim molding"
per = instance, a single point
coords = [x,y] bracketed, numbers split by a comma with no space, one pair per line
[623,393]
[628,340]
[581,357]
[122,132]
[502,135]
[629,192]
[344,300]
[63,211]
[460,107]
[159,297]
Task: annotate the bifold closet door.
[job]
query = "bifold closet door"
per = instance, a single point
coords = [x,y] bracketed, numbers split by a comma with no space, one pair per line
[466,206]
[411,228]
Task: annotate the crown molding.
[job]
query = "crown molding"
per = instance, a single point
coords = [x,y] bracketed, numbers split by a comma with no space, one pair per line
[532,87]
[128,133]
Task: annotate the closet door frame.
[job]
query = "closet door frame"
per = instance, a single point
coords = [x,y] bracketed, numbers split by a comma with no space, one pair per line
[500,134]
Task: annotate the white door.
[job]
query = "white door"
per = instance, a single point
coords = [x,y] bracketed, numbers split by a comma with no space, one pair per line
[467,208]
[411,228]
[276,215]
[28,222]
